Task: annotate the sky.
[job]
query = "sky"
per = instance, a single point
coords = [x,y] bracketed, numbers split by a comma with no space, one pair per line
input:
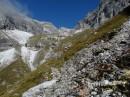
[62,13]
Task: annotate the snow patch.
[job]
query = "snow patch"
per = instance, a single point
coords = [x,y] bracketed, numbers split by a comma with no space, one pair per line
[33,91]
[78,31]
[20,36]
[28,57]
[7,57]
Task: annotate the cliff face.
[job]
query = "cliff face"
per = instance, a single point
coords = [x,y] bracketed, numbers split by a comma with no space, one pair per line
[105,11]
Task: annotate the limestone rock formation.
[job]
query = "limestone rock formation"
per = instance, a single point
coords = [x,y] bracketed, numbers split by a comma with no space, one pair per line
[105,11]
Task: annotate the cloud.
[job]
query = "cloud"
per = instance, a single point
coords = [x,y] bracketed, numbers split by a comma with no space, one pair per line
[12,7]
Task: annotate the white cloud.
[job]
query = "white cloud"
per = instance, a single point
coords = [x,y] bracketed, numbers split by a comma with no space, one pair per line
[12,7]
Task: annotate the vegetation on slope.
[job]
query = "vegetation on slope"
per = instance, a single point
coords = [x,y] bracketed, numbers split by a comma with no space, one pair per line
[35,39]
[78,42]
[12,74]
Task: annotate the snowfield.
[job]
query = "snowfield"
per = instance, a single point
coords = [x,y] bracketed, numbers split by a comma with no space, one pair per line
[7,57]
[28,56]
[38,89]
[20,36]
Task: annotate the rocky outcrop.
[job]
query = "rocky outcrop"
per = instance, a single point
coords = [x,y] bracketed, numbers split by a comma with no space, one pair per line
[105,11]
[94,71]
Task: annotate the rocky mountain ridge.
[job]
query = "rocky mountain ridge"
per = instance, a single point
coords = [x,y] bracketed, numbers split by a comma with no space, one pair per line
[105,11]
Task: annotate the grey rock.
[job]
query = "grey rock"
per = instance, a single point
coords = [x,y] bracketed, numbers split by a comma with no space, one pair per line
[105,11]
[93,93]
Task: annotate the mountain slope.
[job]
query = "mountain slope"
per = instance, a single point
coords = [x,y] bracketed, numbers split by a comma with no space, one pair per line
[43,72]
[93,71]
[93,50]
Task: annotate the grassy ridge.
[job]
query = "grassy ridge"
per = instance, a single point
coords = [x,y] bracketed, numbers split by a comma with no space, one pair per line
[78,42]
